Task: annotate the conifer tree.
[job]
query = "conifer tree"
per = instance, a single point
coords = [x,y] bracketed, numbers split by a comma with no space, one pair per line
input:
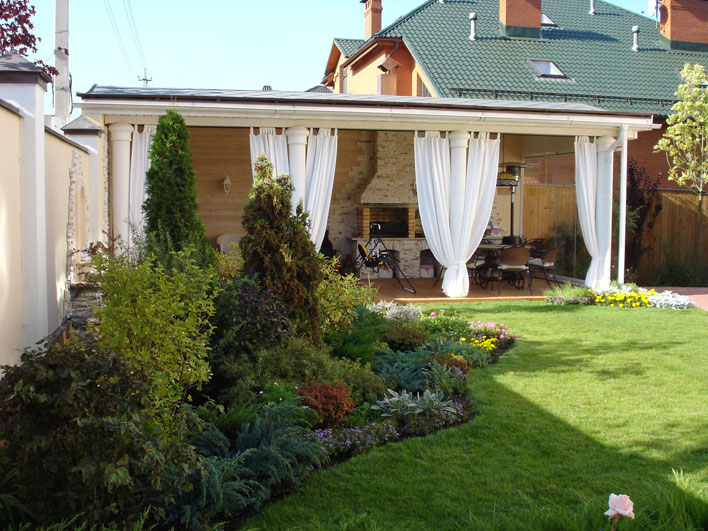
[171,218]
[278,248]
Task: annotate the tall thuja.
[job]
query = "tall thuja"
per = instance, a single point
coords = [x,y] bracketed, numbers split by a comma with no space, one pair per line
[278,248]
[172,221]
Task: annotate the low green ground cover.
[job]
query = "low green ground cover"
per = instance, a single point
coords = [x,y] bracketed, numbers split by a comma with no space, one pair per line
[592,400]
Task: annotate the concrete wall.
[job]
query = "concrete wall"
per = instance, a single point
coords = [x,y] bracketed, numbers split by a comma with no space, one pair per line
[11,302]
[67,215]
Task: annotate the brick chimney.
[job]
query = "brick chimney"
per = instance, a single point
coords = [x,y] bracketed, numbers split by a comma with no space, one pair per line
[684,24]
[520,18]
[372,17]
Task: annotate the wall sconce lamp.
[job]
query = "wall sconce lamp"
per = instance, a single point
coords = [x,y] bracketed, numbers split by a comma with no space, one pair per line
[227,184]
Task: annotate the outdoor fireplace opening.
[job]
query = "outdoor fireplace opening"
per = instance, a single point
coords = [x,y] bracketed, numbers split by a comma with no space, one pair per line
[395,222]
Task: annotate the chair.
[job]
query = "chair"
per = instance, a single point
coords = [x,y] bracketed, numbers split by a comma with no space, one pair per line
[513,266]
[545,260]
[474,265]
[225,240]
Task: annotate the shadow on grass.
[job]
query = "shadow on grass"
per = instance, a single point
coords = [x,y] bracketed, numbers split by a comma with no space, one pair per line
[514,467]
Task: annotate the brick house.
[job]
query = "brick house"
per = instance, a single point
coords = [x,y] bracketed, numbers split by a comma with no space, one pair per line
[583,51]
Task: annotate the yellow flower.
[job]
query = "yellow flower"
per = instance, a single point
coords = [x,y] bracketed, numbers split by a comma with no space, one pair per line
[463,339]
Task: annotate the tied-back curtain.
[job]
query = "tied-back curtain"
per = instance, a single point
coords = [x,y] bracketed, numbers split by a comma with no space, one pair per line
[586,195]
[273,146]
[139,165]
[321,162]
[453,241]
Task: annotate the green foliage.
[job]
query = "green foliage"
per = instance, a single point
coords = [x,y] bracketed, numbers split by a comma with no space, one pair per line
[685,140]
[673,269]
[158,320]
[402,370]
[449,380]
[171,210]
[405,335]
[278,393]
[573,258]
[278,248]
[445,326]
[567,291]
[339,296]
[82,435]
[275,451]
[644,198]
[361,341]
[247,318]
[331,401]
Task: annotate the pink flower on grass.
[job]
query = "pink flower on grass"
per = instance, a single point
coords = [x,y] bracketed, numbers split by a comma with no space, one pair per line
[620,505]
[433,314]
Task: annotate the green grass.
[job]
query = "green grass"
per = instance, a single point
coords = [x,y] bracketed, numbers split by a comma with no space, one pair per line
[590,401]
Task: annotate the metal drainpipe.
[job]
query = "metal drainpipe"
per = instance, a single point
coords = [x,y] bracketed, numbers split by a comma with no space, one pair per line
[623,208]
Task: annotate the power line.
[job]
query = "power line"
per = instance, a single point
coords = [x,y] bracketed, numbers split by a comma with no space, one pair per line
[134,31]
[117,34]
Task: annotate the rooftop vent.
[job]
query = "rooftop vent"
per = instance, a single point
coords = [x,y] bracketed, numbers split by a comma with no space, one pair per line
[473,26]
[635,32]
[267,88]
[546,22]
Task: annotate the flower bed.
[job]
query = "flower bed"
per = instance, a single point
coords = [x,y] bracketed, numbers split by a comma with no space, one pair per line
[619,296]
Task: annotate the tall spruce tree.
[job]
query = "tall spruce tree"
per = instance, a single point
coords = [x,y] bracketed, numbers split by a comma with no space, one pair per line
[277,246]
[171,218]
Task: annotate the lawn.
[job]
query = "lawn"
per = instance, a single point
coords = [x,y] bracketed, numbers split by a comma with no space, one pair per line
[590,401]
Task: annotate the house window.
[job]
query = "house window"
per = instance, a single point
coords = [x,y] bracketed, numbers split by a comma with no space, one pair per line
[422,89]
[546,22]
[344,80]
[546,69]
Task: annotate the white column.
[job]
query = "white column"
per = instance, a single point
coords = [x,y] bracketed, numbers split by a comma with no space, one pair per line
[62,95]
[603,208]
[120,135]
[29,98]
[459,140]
[297,159]
[623,209]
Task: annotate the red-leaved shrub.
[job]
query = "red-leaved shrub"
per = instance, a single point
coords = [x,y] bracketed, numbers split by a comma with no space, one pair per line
[332,402]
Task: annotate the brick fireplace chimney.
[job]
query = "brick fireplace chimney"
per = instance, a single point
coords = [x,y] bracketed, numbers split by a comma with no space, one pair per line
[372,17]
[520,18]
[684,24]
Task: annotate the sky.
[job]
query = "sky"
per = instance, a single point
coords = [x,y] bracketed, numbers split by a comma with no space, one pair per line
[229,44]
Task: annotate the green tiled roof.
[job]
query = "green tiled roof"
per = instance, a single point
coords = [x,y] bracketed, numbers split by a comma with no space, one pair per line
[593,51]
[348,47]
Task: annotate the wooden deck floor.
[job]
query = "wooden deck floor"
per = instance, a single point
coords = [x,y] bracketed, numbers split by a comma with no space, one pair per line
[389,290]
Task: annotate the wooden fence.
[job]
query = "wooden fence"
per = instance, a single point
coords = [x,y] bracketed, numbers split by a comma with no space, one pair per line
[547,206]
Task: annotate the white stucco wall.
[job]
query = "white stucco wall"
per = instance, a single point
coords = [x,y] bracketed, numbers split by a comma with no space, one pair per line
[11,302]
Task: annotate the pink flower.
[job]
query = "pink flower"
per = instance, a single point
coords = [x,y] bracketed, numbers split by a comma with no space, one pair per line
[433,314]
[620,505]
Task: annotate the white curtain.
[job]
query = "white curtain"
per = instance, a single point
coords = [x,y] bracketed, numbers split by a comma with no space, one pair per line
[273,146]
[139,165]
[453,241]
[321,162]
[586,195]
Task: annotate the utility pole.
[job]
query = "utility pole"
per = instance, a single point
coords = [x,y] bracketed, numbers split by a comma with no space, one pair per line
[62,88]
[145,79]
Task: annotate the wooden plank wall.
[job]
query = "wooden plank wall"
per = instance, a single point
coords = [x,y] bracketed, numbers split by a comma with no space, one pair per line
[674,230]
[216,153]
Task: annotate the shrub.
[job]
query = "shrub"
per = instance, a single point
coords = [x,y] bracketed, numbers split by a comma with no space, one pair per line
[240,470]
[331,401]
[339,296]
[247,318]
[83,435]
[461,409]
[405,335]
[448,380]
[402,370]
[669,299]
[452,360]
[397,312]
[447,327]
[568,294]
[278,393]
[360,341]
[365,385]
[171,211]
[277,246]
[158,320]
[346,442]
